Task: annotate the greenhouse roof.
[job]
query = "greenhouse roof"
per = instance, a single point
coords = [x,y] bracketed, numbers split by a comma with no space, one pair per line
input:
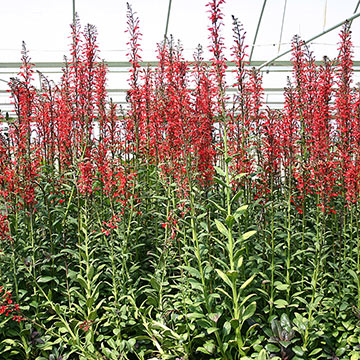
[270,26]
[44,25]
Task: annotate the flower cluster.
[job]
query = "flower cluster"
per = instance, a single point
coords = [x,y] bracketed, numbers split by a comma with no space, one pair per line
[8,307]
[86,325]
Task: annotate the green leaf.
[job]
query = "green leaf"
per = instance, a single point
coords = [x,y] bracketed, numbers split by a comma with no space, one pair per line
[245,300]
[230,221]
[208,348]
[72,274]
[224,292]
[240,211]
[215,316]
[247,282]
[298,350]
[90,302]
[234,323]
[220,171]
[195,284]
[301,322]
[203,350]
[262,355]
[192,271]
[155,284]
[232,274]
[280,286]
[239,176]
[220,208]
[284,343]
[227,328]
[82,281]
[45,279]
[195,315]
[211,330]
[240,262]
[236,196]
[275,328]
[248,234]
[315,351]
[224,277]
[10,342]
[219,181]
[340,351]
[285,323]
[249,311]
[354,275]
[90,272]
[272,348]
[167,330]
[221,227]
[281,303]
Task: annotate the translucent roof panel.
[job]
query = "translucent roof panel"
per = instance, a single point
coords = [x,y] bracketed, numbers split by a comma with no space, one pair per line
[44,25]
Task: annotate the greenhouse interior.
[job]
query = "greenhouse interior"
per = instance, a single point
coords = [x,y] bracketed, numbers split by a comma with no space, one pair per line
[180,180]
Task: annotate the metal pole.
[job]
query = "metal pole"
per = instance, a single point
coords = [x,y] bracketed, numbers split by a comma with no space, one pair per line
[356,9]
[74,12]
[167,20]
[282,25]
[350,19]
[257,29]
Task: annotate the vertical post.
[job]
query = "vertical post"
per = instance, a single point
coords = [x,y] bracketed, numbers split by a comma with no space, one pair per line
[282,25]
[73,11]
[167,20]
[325,12]
[257,30]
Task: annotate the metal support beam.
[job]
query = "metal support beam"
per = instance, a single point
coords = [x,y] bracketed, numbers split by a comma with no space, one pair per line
[73,12]
[282,25]
[167,20]
[311,39]
[257,29]
[356,9]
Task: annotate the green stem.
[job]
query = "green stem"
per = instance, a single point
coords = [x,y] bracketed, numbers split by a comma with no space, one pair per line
[315,275]
[288,260]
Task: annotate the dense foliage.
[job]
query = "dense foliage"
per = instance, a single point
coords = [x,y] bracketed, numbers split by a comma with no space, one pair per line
[190,225]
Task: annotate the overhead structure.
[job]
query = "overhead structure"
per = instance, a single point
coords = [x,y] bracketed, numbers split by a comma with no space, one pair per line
[73,12]
[356,9]
[167,20]
[257,30]
[282,24]
[350,19]
[275,70]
